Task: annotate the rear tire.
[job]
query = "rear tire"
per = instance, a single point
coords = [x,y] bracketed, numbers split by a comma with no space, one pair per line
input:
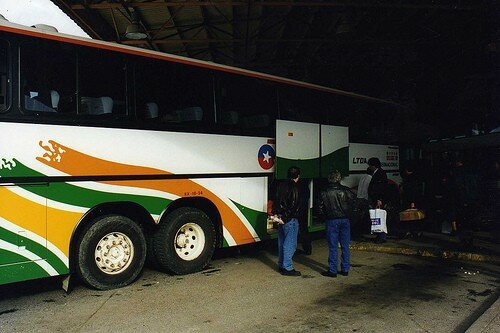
[111,252]
[185,241]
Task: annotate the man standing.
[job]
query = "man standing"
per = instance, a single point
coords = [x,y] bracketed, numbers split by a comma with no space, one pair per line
[361,217]
[377,190]
[304,236]
[336,204]
[286,211]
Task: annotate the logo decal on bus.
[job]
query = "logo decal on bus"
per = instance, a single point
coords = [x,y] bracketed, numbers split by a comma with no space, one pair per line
[266,157]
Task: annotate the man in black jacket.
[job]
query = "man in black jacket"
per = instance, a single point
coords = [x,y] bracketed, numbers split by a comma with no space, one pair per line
[286,207]
[378,191]
[336,203]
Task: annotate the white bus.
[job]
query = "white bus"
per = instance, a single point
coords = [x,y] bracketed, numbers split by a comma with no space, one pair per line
[112,154]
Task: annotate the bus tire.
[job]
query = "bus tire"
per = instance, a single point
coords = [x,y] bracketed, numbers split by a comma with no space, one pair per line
[111,252]
[185,241]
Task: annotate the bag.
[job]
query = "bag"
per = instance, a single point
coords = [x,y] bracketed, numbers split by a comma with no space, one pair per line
[379,220]
[411,214]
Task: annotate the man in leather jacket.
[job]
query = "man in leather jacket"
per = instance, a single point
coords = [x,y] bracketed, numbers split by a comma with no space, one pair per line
[336,204]
[286,211]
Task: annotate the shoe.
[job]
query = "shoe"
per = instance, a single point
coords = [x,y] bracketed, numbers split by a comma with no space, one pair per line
[343,273]
[293,272]
[307,252]
[329,274]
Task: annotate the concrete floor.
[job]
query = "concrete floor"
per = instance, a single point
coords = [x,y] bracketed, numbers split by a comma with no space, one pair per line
[243,292]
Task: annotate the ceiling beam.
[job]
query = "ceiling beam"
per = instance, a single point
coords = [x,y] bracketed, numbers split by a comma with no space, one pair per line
[366,4]
[292,40]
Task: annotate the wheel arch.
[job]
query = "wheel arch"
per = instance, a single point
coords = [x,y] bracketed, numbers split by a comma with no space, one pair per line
[206,206]
[132,210]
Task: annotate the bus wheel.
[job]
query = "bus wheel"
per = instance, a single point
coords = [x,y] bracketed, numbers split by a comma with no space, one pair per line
[185,241]
[111,252]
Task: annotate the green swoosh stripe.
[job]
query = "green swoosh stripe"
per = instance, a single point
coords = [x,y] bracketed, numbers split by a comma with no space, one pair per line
[316,167]
[82,197]
[33,247]
[19,272]
[257,219]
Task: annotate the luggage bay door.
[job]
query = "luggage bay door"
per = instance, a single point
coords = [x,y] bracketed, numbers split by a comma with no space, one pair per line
[23,232]
[297,144]
[334,150]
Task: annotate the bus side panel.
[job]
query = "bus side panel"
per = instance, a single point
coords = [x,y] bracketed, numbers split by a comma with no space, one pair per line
[23,252]
[246,221]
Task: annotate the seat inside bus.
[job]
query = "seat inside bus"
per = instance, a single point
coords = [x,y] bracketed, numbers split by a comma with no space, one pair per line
[41,101]
[97,105]
[230,118]
[194,113]
[151,110]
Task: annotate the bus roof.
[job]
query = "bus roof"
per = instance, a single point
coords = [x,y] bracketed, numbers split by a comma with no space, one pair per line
[34,32]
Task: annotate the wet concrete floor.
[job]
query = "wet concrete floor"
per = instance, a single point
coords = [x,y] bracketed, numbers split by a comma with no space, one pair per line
[242,291]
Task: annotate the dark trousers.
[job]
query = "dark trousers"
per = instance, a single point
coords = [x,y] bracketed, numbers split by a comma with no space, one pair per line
[304,237]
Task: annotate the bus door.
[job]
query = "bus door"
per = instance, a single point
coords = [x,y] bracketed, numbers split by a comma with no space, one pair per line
[22,232]
[316,149]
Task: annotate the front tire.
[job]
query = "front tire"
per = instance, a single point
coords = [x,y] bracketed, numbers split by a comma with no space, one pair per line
[111,252]
[185,242]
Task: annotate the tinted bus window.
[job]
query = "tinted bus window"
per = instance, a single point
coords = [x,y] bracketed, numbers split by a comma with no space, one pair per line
[172,95]
[48,77]
[308,105]
[246,105]
[4,76]
[102,83]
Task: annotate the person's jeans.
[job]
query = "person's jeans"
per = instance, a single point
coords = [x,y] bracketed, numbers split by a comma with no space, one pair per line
[338,230]
[287,243]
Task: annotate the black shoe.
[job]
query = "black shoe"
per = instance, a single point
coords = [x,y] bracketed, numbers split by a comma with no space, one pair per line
[293,272]
[329,274]
[308,252]
[343,273]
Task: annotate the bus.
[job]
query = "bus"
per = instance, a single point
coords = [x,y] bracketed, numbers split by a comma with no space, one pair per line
[114,156]
[359,153]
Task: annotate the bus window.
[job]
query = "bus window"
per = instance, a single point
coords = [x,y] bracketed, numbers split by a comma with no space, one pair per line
[48,77]
[3,76]
[102,83]
[171,95]
[306,105]
[246,105]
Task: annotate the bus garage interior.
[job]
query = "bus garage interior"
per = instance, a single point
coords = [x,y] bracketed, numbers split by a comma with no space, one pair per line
[415,84]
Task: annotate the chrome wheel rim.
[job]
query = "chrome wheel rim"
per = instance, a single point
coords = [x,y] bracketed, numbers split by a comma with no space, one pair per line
[114,253]
[189,241]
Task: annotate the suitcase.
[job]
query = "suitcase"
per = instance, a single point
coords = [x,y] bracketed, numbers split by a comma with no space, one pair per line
[411,214]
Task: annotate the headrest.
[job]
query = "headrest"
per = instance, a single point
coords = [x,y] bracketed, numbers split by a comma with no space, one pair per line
[151,110]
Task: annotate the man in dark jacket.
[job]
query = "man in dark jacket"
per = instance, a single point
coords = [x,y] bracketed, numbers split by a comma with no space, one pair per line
[286,207]
[378,190]
[336,203]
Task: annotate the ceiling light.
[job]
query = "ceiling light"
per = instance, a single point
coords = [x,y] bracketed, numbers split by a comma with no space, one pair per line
[134,29]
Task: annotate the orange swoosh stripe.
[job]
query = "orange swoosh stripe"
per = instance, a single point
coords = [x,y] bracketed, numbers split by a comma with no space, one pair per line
[75,163]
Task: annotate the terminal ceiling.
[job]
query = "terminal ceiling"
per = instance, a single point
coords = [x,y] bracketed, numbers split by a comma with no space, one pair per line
[434,57]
